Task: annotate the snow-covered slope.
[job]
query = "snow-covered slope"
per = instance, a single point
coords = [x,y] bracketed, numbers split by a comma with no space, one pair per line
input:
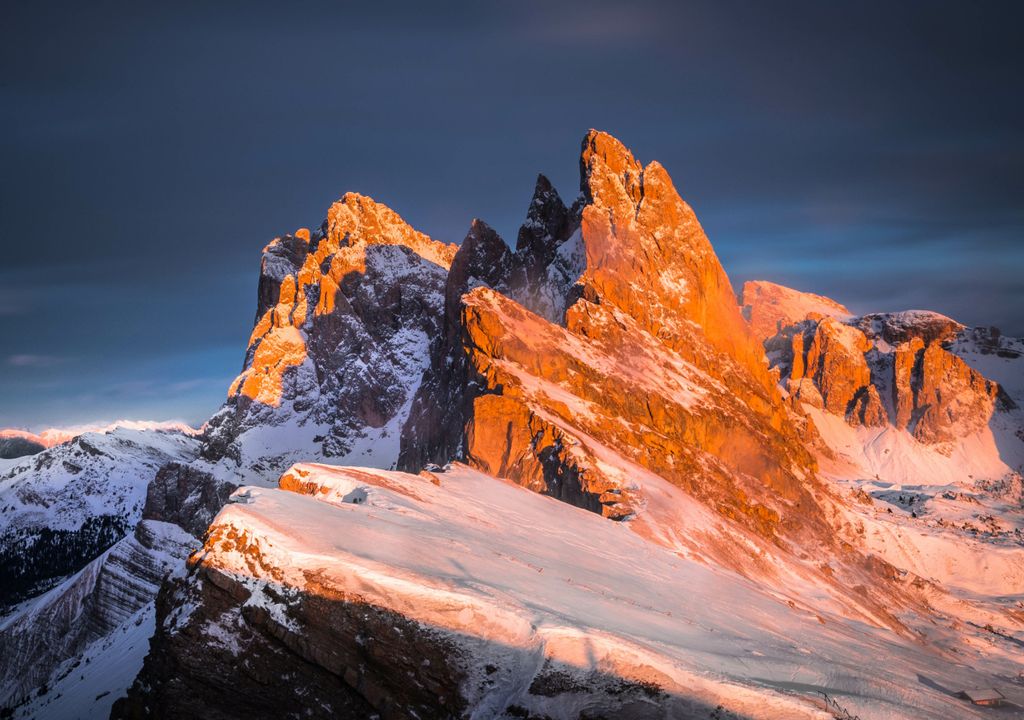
[99,615]
[61,508]
[532,608]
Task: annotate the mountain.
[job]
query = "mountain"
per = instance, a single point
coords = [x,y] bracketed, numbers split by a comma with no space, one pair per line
[345,320]
[659,367]
[64,506]
[77,561]
[15,443]
[573,478]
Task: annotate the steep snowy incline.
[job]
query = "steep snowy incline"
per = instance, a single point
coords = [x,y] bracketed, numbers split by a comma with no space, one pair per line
[457,593]
[102,615]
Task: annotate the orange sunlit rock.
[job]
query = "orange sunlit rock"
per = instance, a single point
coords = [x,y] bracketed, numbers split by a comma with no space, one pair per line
[769,307]
[280,349]
[853,367]
[338,252]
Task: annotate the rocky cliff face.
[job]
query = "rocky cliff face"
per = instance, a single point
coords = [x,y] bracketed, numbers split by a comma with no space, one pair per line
[345,320]
[875,370]
[650,356]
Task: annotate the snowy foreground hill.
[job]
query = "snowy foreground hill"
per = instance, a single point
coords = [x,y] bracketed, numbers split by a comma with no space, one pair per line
[575,479]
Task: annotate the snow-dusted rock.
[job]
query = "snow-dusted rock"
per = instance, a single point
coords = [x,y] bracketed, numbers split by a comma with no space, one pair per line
[345,321]
[884,368]
[353,592]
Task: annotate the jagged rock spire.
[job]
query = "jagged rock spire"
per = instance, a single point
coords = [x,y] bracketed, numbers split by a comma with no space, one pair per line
[548,222]
[647,254]
[482,259]
[608,169]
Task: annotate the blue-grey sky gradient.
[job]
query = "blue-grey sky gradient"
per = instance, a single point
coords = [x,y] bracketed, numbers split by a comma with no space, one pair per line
[870,151]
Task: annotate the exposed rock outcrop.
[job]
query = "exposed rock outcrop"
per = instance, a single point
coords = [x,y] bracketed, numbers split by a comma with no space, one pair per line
[828,369]
[186,496]
[879,369]
[650,356]
[937,396]
[346,317]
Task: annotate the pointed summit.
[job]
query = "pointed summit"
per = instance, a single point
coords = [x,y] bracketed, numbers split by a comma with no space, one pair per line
[547,220]
[608,167]
[647,254]
[547,263]
[357,219]
[482,259]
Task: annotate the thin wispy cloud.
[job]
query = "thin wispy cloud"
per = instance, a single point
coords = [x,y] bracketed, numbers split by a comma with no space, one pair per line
[28,360]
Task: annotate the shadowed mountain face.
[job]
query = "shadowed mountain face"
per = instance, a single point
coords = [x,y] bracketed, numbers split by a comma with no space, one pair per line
[15,447]
[702,452]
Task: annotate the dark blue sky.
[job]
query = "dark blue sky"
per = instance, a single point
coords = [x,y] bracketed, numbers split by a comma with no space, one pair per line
[873,152]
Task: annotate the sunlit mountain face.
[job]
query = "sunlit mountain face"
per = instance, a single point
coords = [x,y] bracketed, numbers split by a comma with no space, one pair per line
[579,477]
[728,435]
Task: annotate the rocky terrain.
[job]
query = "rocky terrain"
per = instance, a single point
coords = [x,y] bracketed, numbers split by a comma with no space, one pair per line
[345,320]
[605,487]
[882,368]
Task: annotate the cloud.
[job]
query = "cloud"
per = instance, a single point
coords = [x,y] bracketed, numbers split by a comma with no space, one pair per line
[40,361]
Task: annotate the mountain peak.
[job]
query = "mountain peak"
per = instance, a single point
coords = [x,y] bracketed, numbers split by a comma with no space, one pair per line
[609,150]
[360,220]
[608,170]
[646,253]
